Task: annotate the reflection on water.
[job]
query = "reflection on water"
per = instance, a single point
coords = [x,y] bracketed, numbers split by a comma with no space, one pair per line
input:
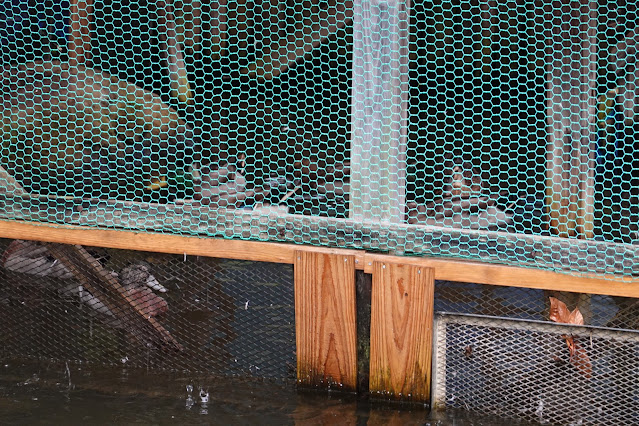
[70,394]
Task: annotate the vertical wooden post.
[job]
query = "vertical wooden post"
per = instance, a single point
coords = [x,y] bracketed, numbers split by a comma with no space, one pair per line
[401,331]
[572,77]
[326,334]
[79,44]
[379,110]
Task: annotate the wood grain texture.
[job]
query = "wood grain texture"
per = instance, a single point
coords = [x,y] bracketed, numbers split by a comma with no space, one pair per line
[257,251]
[401,331]
[445,269]
[325,325]
[513,276]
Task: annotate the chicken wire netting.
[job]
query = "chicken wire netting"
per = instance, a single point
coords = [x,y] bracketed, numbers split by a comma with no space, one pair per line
[501,131]
[146,310]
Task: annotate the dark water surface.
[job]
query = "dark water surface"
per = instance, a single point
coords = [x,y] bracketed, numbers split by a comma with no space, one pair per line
[43,394]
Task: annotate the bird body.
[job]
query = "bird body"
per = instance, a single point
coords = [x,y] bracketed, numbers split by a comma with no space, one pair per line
[463,180]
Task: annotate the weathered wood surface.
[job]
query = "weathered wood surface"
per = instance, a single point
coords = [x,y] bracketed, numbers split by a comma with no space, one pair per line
[326,334]
[92,276]
[570,256]
[401,331]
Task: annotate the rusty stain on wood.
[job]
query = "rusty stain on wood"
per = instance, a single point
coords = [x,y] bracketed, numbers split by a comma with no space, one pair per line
[401,331]
[90,273]
[326,334]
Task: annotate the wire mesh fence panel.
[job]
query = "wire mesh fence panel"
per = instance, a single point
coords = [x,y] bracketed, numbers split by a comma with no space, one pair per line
[535,371]
[495,131]
[147,310]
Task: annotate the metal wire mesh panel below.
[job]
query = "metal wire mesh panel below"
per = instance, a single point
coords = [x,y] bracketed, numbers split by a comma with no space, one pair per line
[536,371]
[146,310]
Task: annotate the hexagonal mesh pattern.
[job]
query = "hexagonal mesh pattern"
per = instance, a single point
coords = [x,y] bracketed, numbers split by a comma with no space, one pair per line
[464,128]
[526,370]
[147,310]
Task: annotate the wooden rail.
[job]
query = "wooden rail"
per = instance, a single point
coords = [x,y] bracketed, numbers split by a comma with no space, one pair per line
[445,269]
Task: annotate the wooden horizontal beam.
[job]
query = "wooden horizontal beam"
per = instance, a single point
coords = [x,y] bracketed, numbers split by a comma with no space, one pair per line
[445,269]
[257,251]
[513,276]
[567,255]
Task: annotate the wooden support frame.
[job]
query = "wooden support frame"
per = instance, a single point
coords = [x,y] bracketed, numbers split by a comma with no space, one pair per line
[445,269]
[326,332]
[401,331]
[325,304]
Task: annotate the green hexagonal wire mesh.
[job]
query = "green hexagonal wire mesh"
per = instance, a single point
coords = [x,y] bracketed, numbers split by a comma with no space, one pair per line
[500,131]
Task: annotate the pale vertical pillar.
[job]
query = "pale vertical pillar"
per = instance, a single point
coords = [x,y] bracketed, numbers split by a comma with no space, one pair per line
[379,110]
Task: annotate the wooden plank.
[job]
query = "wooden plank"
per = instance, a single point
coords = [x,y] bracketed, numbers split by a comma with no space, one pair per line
[163,243]
[325,325]
[567,255]
[512,276]
[79,44]
[379,110]
[401,331]
[572,78]
[104,286]
[445,269]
